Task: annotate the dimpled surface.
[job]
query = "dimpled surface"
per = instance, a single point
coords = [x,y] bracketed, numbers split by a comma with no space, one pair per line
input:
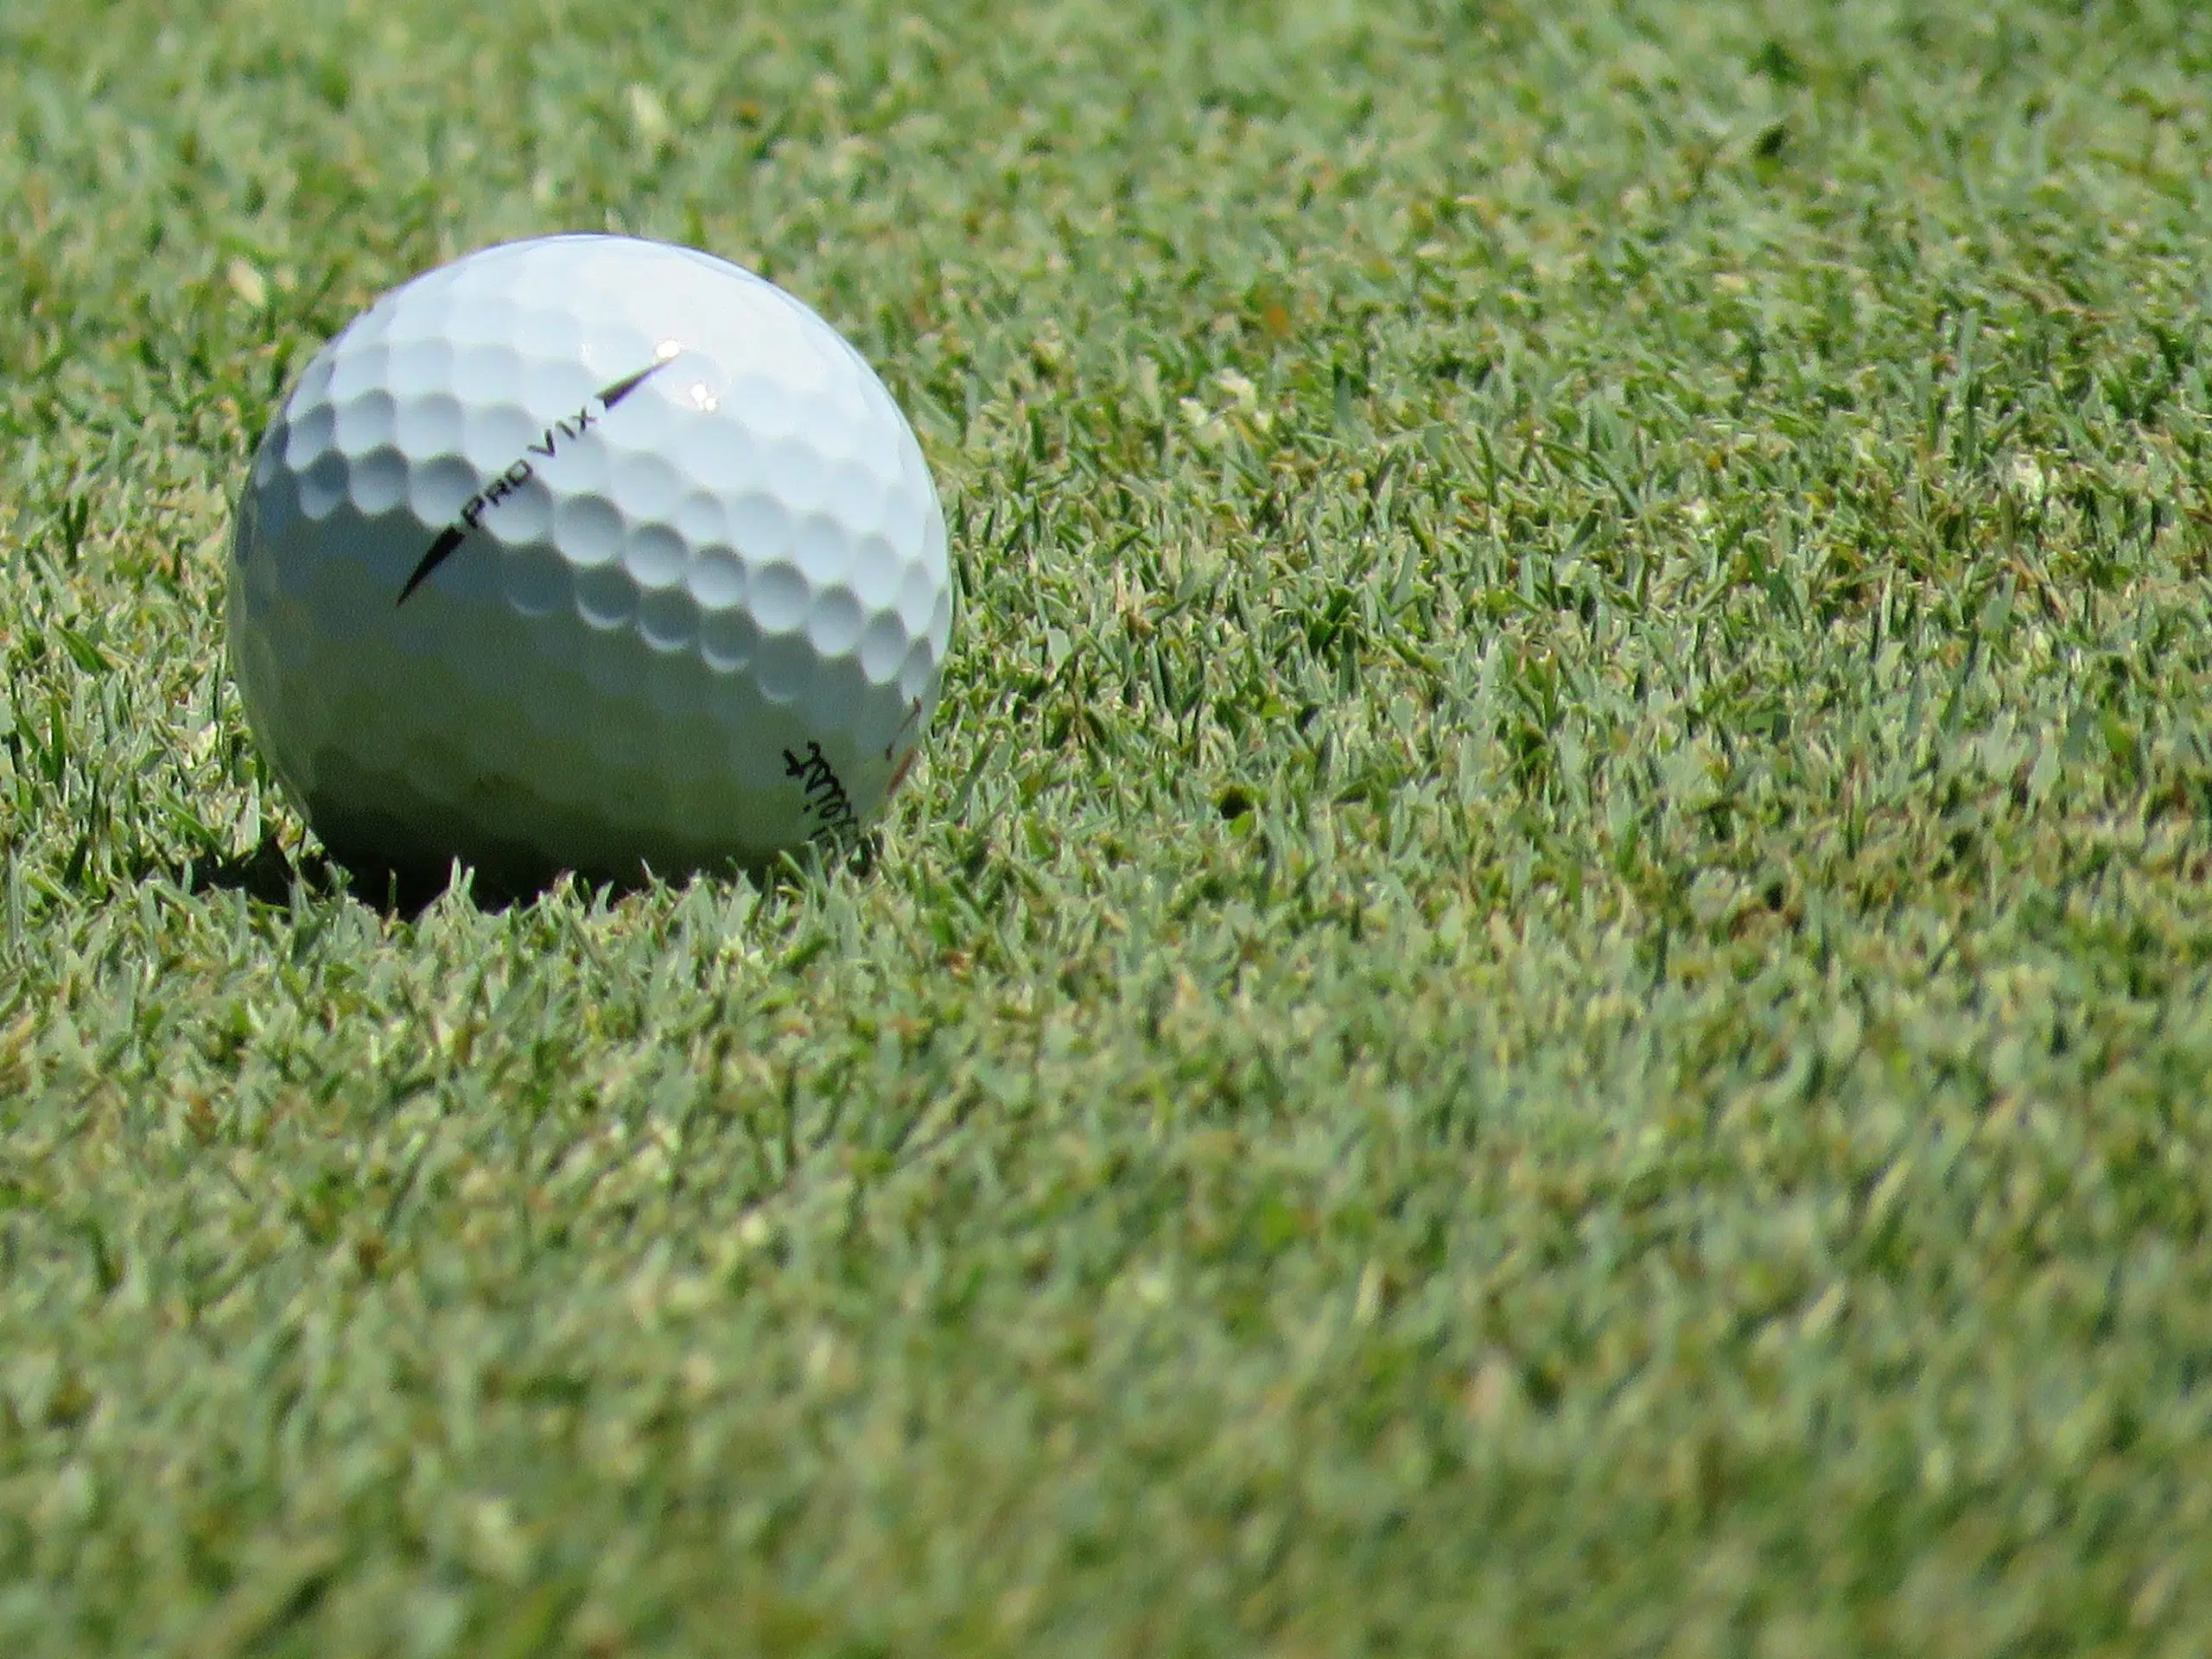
[667,623]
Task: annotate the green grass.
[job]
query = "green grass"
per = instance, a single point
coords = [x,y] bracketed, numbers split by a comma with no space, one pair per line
[1550,988]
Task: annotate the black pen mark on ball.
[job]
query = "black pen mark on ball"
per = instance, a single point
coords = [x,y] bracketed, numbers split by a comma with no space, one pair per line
[827,802]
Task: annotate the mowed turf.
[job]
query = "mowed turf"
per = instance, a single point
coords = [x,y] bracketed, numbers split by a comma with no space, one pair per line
[1545,990]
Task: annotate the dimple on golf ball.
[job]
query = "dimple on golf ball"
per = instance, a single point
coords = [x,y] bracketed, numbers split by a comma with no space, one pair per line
[588,553]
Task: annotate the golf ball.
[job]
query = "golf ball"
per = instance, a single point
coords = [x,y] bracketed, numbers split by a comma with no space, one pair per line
[588,553]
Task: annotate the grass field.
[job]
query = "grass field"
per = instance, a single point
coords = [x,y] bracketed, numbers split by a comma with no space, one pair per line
[1547,990]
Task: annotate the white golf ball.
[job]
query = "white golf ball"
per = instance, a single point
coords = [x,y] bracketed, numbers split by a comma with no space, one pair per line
[588,553]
